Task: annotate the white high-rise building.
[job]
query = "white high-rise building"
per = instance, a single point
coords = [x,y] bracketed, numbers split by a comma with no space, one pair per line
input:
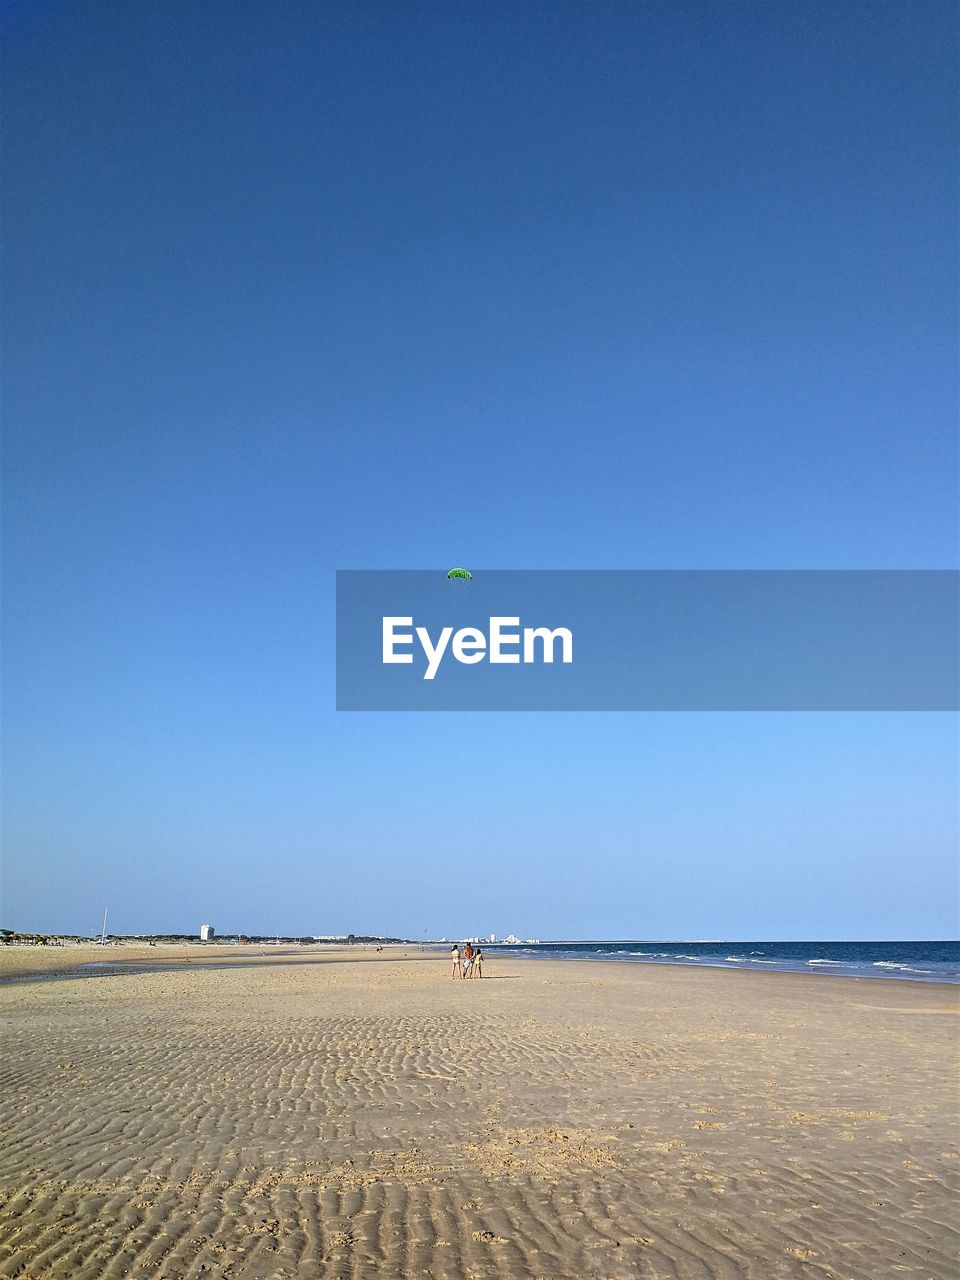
[207,933]
[492,938]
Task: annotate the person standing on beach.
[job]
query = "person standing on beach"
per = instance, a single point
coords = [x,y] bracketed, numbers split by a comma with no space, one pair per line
[468,960]
[478,964]
[455,958]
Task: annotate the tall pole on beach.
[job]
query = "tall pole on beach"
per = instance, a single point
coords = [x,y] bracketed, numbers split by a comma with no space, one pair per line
[103,935]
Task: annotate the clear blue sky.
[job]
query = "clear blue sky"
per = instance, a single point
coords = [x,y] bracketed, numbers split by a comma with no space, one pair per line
[297,287]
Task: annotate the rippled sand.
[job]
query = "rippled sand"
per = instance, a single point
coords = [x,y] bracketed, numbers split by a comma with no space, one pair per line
[335,1114]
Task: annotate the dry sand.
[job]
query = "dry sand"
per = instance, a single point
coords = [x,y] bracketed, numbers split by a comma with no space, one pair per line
[328,1114]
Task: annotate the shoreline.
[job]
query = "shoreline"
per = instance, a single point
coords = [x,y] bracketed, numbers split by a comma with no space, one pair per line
[26,964]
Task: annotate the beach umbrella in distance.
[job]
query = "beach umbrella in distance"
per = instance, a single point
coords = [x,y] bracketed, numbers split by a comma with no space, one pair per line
[460,573]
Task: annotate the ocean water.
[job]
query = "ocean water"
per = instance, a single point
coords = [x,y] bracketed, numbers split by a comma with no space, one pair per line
[915,961]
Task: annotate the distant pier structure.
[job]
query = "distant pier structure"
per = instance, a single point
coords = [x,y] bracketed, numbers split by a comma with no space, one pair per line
[207,933]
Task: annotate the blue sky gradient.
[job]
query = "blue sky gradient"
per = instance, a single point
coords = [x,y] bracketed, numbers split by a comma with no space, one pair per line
[292,288]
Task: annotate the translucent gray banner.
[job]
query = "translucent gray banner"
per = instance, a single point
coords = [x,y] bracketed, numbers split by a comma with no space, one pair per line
[613,640]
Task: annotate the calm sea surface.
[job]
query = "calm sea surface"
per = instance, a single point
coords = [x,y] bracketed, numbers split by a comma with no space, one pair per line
[917,961]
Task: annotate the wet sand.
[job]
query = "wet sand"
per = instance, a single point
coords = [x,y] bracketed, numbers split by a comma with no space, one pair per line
[328,1113]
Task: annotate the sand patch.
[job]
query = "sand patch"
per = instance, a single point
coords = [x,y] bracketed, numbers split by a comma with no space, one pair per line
[369,1118]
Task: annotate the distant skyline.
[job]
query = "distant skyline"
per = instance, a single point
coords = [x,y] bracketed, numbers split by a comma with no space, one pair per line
[292,289]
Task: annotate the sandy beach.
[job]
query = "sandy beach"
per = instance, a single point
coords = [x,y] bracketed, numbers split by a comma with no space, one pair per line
[339,1113]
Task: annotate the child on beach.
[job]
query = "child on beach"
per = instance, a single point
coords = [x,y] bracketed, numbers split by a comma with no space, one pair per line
[478,964]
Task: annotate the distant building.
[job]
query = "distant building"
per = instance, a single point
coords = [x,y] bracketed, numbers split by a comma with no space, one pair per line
[492,938]
[207,933]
